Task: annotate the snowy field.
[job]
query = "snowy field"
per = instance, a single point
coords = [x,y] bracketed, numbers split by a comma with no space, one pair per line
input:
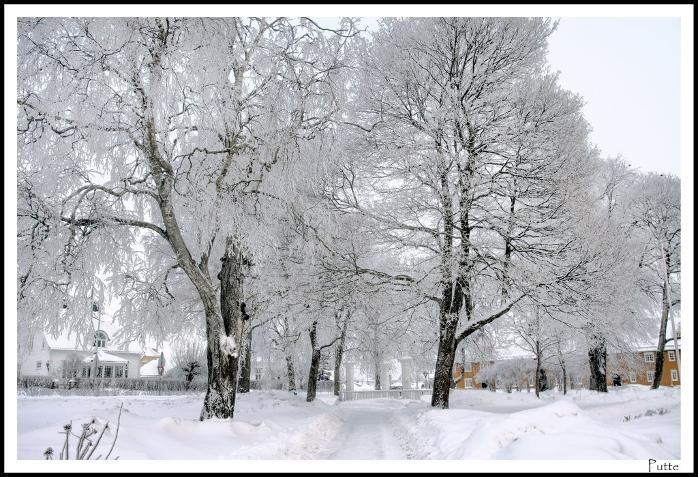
[630,423]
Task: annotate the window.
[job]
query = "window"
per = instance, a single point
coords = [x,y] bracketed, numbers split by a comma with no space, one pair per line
[100,339]
[650,376]
[100,371]
[85,372]
[468,382]
[38,365]
[672,355]
[649,357]
[119,371]
[468,367]
[674,375]
[578,380]
[632,377]
[108,371]
[257,374]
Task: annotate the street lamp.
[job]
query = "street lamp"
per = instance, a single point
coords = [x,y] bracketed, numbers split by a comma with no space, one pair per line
[95,309]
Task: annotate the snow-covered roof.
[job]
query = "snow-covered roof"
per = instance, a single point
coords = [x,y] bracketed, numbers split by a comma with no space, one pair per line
[70,340]
[668,347]
[151,352]
[151,368]
[104,357]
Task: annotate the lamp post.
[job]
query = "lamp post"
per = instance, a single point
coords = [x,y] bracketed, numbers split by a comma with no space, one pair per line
[95,309]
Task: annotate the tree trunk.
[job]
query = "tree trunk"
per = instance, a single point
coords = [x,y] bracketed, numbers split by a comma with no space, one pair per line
[377,386]
[291,372]
[220,397]
[659,355]
[246,365]
[537,369]
[597,366]
[564,379]
[314,364]
[338,353]
[338,367]
[445,357]
[312,375]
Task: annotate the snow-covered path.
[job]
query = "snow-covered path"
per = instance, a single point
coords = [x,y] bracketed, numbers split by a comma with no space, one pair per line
[369,430]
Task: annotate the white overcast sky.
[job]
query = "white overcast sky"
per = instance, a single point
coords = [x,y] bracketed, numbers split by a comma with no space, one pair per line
[627,70]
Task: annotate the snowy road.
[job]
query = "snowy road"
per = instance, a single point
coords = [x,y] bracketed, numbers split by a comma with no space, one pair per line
[369,430]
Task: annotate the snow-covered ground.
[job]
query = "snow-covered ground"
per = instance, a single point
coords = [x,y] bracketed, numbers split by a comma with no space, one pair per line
[627,423]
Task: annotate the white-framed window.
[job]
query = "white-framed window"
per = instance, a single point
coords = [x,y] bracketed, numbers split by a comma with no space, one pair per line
[632,377]
[649,357]
[674,375]
[577,380]
[672,355]
[100,339]
[468,383]
[38,365]
[468,367]
[108,371]
[650,377]
[118,371]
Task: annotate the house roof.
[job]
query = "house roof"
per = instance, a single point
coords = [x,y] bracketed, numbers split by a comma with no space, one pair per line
[151,352]
[668,347]
[104,357]
[71,340]
[151,368]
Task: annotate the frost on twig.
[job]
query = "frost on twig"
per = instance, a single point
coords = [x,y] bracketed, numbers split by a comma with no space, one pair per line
[85,446]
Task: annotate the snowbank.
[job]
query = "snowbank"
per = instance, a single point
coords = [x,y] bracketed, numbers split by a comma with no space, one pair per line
[268,425]
[630,424]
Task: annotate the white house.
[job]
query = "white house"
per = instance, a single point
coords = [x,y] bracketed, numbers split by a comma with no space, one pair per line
[67,356]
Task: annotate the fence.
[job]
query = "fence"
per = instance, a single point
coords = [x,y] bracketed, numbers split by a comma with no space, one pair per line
[38,386]
[387,394]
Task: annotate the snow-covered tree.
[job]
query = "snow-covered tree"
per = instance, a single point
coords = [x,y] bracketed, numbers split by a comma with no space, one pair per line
[468,152]
[656,212]
[163,128]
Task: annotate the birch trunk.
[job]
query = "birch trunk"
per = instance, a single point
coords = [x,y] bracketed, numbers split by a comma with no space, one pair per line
[661,344]
[230,278]
[338,354]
